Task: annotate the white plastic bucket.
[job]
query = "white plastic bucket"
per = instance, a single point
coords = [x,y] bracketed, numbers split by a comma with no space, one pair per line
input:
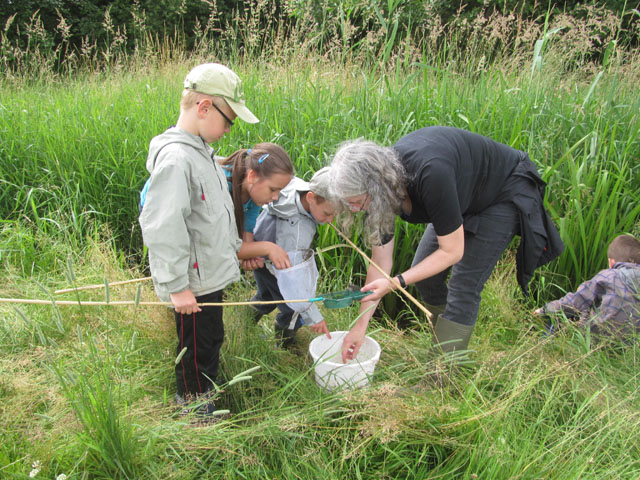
[331,373]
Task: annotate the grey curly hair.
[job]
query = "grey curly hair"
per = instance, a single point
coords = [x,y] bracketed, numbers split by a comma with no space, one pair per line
[363,167]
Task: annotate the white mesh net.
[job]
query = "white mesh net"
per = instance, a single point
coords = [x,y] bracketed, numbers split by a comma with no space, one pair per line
[298,281]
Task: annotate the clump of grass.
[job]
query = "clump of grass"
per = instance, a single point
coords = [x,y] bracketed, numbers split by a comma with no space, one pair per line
[102,395]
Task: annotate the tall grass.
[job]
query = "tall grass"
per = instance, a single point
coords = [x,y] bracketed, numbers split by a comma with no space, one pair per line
[73,158]
[75,153]
[88,392]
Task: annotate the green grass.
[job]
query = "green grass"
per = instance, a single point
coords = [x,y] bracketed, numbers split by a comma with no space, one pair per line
[88,392]
[74,159]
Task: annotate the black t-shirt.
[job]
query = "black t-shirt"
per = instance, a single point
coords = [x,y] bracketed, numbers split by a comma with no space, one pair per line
[453,173]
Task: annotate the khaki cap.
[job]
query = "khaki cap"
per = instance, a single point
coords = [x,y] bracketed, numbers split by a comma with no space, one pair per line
[219,81]
[320,183]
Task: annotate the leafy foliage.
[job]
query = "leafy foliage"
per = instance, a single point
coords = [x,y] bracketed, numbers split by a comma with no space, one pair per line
[64,32]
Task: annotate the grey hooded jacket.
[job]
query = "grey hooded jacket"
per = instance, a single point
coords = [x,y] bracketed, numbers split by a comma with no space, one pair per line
[187,220]
[287,224]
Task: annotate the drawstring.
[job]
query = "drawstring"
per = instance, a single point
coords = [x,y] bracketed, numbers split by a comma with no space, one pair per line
[184,378]
[294,320]
[195,353]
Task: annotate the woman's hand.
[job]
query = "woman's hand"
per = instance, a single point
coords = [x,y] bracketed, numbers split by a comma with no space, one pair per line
[320,327]
[352,342]
[380,287]
[185,302]
[279,257]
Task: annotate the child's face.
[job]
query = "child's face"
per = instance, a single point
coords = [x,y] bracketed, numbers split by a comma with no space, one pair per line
[263,190]
[216,120]
[322,211]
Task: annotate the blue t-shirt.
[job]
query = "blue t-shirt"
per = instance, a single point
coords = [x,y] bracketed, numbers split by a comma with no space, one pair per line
[143,193]
[251,210]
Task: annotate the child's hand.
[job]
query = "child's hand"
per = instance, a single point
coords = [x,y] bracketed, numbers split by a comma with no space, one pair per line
[185,302]
[252,263]
[320,327]
[279,257]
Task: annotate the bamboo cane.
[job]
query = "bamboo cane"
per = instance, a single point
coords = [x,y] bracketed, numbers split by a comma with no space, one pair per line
[33,301]
[101,285]
[216,304]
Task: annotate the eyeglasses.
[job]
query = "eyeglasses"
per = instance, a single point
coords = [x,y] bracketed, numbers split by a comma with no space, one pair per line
[227,119]
[358,205]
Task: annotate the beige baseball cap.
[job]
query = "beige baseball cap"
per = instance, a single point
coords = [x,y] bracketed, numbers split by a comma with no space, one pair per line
[320,183]
[219,81]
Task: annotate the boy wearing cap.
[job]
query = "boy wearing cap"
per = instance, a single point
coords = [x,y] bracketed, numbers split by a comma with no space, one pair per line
[188,224]
[291,223]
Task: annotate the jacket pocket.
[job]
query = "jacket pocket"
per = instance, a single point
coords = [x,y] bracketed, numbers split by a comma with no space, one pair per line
[205,196]
[195,278]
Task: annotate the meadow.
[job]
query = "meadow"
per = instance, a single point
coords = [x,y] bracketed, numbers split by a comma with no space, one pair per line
[87,392]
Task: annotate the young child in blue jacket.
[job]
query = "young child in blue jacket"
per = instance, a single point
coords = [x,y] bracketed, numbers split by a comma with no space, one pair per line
[291,223]
[255,177]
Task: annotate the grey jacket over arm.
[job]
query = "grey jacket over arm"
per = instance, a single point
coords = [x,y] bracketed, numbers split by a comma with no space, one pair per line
[286,223]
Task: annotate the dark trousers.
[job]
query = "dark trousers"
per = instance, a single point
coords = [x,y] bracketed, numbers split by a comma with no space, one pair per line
[202,334]
[496,227]
[268,291]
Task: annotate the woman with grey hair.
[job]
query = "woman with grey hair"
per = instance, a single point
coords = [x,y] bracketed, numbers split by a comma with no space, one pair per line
[473,193]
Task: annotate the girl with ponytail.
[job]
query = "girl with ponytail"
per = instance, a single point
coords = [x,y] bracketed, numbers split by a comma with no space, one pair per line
[255,177]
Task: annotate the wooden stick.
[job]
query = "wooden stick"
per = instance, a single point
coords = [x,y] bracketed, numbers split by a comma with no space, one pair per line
[386,275]
[101,285]
[33,301]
